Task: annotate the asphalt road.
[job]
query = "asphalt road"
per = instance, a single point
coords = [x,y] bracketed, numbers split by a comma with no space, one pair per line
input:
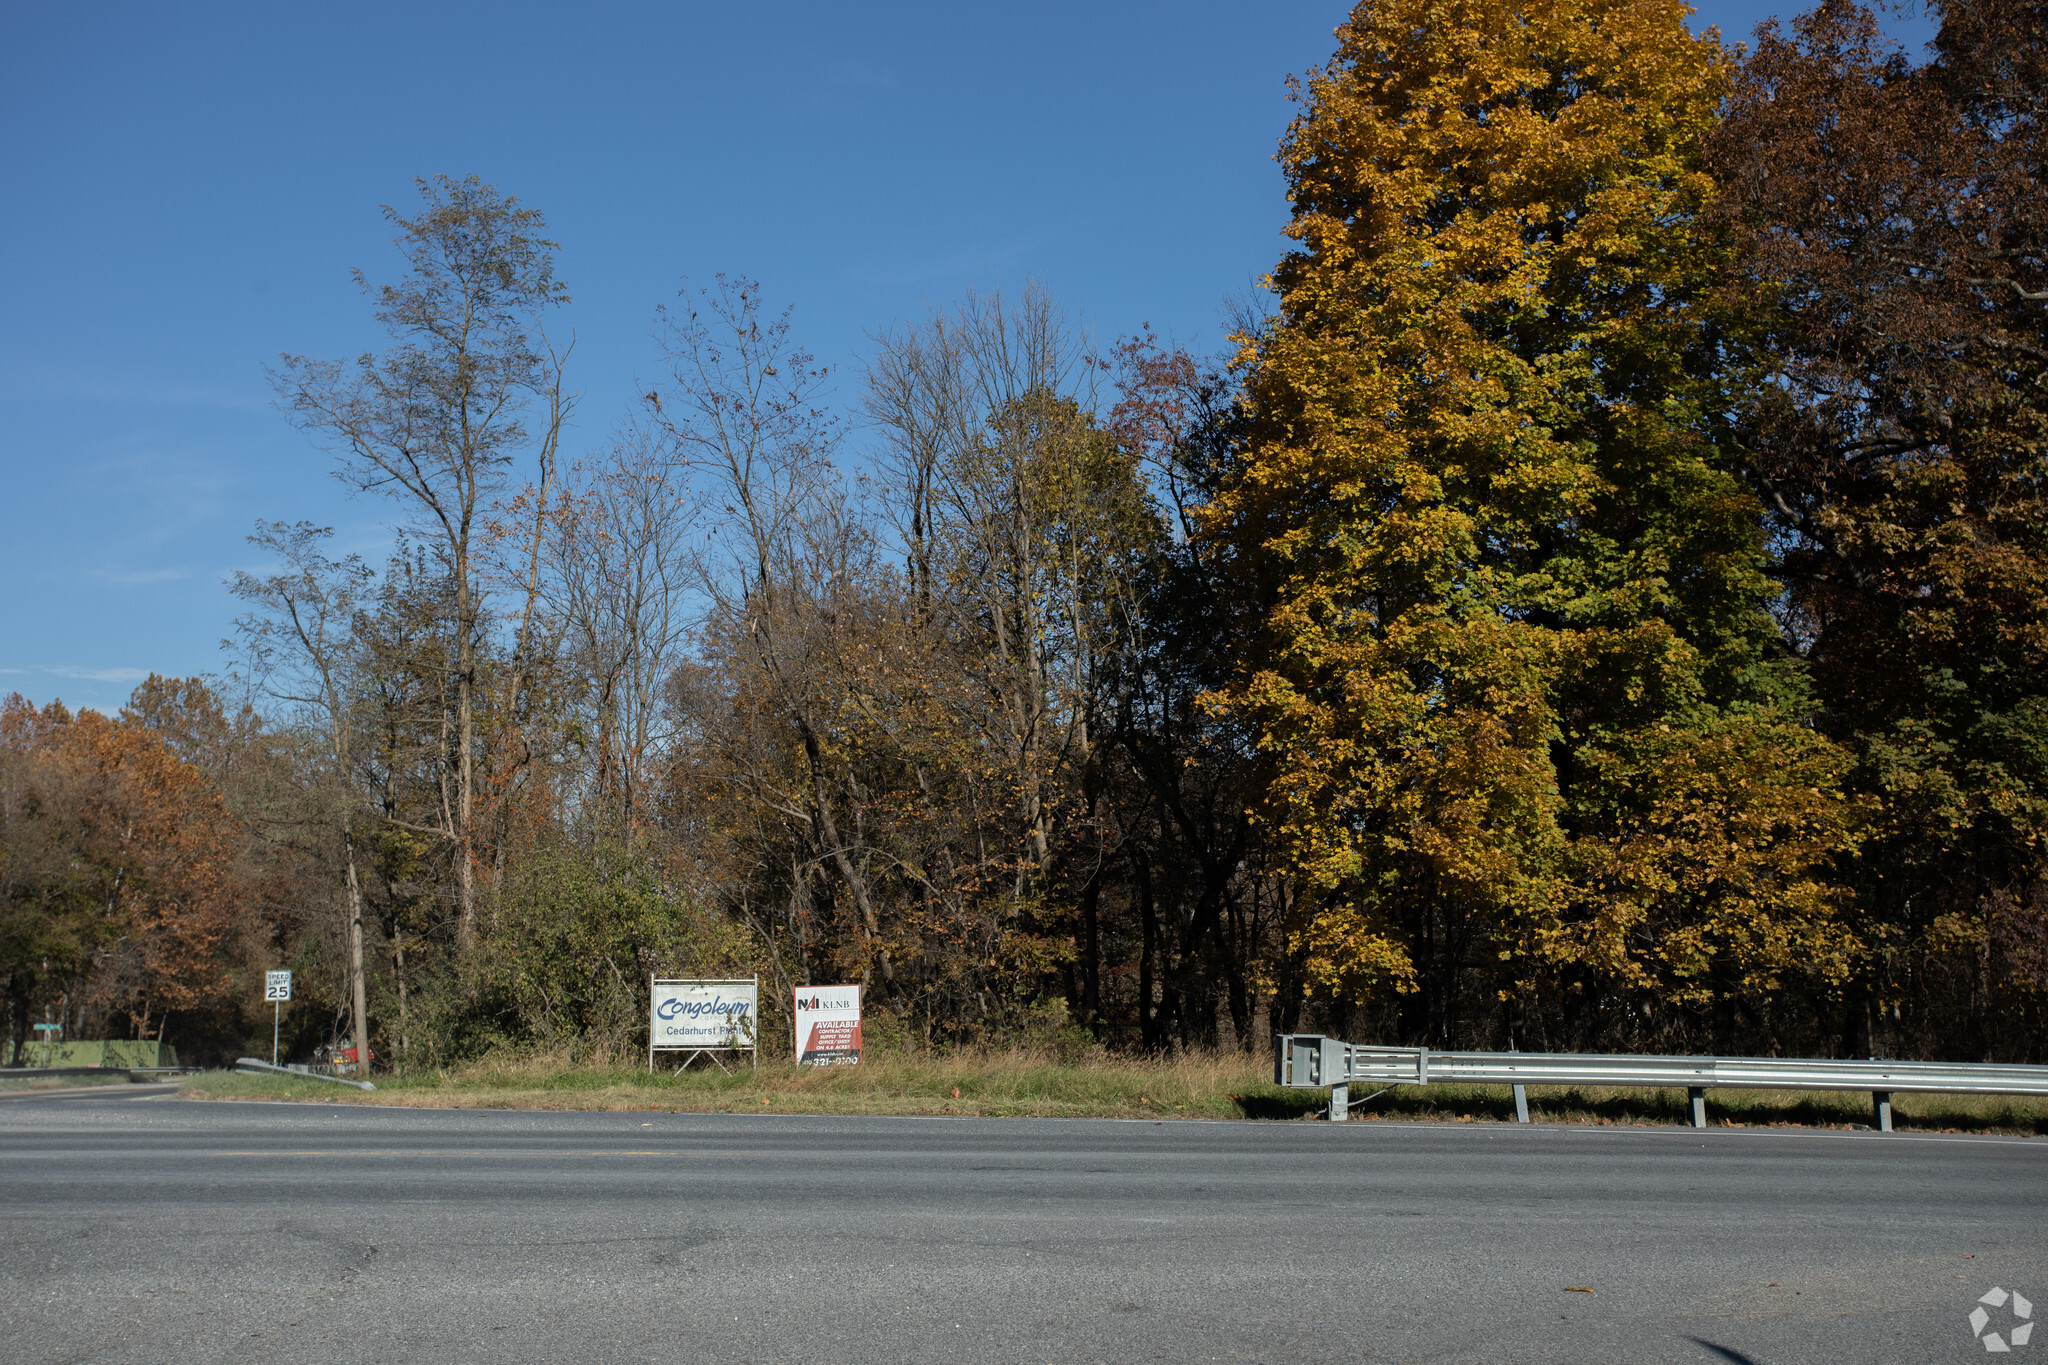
[134,1227]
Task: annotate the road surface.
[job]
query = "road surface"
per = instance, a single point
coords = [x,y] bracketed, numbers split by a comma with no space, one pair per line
[141,1228]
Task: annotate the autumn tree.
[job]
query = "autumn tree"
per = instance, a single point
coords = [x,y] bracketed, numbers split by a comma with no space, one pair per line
[54,912]
[118,868]
[1897,234]
[1514,682]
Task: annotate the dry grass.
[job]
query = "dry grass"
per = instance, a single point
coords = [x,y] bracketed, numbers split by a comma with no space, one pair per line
[965,1083]
[1019,1084]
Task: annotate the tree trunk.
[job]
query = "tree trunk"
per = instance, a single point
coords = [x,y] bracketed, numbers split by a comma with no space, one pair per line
[828,827]
[465,738]
[398,964]
[1091,953]
[1148,928]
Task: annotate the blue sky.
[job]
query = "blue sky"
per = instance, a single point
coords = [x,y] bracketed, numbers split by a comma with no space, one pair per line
[190,185]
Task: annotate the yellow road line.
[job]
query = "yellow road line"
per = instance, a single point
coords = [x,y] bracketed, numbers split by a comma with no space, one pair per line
[435,1151]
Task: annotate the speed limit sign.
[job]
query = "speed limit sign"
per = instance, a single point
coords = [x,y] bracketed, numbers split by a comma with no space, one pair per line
[277,985]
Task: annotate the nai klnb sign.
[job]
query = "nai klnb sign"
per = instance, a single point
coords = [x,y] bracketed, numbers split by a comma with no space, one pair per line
[827,1022]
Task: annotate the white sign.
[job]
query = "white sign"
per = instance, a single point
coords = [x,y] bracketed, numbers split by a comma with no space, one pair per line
[277,985]
[827,1026]
[703,1014]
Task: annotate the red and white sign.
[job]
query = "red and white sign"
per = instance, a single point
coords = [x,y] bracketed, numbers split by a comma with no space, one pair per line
[828,1026]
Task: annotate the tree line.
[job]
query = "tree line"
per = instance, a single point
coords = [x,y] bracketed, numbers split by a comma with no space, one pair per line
[1596,603]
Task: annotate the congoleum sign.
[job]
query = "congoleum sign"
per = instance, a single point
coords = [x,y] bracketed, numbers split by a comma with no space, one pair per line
[703,1014]
[827,1026]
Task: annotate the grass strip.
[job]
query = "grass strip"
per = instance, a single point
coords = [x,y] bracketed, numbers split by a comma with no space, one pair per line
[966,1084]
[1028,1085]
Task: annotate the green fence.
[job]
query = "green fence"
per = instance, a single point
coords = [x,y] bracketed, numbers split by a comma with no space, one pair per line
[113,1053]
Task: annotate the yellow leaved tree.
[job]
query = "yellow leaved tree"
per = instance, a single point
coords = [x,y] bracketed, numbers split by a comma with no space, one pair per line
[1523,708]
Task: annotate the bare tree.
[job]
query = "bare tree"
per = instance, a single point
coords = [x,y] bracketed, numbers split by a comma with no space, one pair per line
[620,573]
[745,407]
[438,420]
[1019,511]
[917,399]
[300,646]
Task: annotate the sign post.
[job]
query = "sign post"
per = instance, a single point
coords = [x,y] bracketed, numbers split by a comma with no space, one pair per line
[277,988]
[827,1025]
[703,1018]
[49,1043]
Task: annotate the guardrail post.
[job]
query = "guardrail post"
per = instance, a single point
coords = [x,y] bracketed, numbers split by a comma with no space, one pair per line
[1340,1103]
[1881,1110]
[1521,1093]
[1698,1095]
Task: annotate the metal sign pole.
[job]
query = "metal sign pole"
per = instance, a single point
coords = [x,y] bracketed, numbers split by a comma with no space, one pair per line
[277,989]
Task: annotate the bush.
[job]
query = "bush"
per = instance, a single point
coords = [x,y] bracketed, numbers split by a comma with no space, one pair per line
[564,952]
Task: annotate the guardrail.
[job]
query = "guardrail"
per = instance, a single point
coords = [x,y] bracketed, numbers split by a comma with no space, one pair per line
[1310,1061]
[268,1069]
